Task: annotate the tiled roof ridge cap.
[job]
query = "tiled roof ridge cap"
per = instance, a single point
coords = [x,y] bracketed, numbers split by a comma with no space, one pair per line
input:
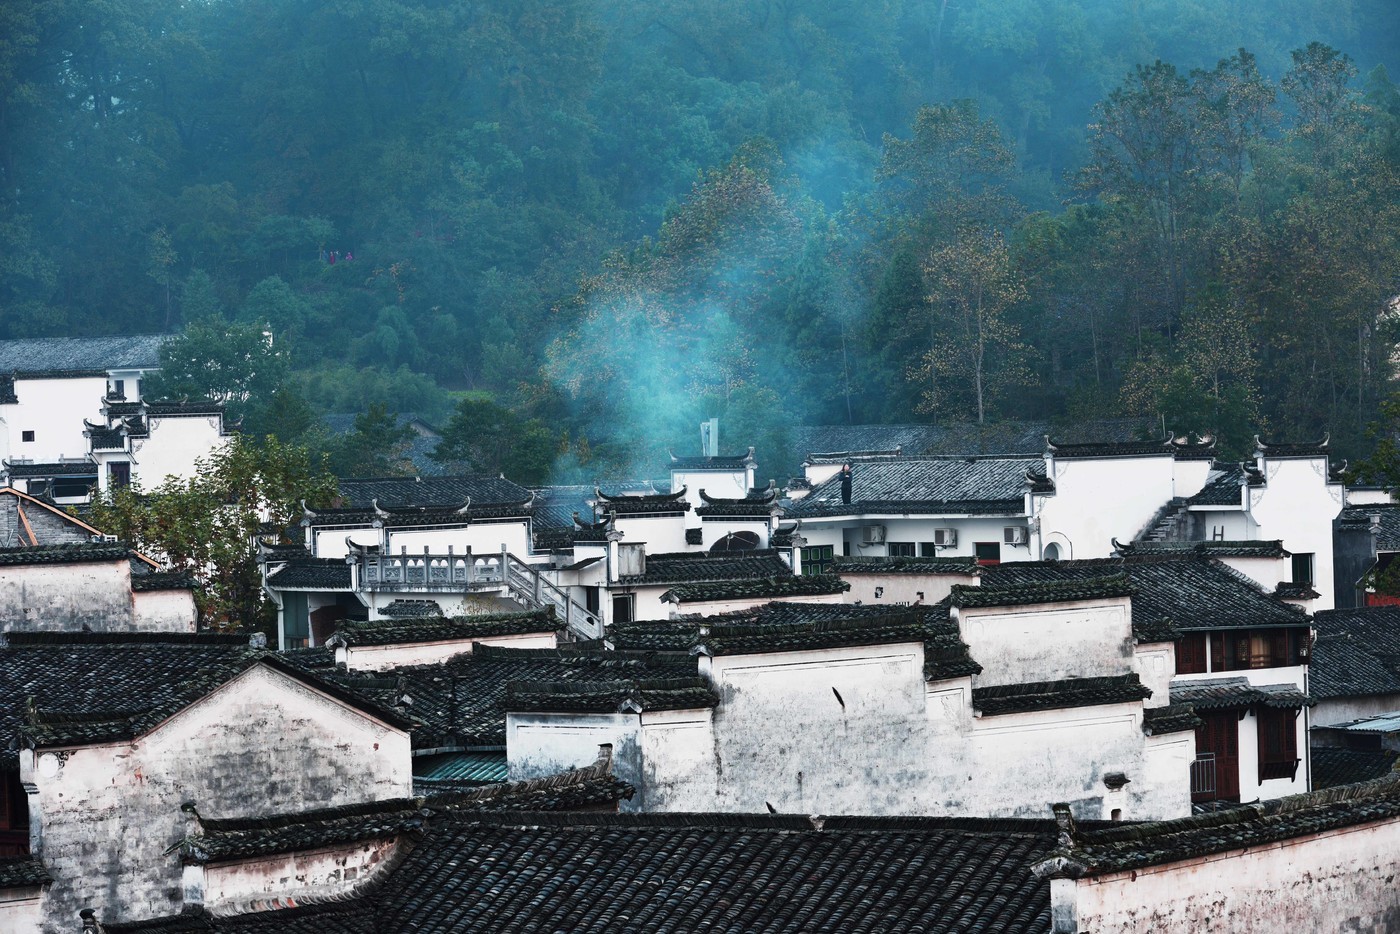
[198,639]
[294,818]
[765,822]
[505,616]
[717,556]
[527,687]
[1108,586]
[911,618]
[598,770]
[1061,684]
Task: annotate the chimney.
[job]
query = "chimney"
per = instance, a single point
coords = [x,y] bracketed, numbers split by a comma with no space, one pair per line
[709,438]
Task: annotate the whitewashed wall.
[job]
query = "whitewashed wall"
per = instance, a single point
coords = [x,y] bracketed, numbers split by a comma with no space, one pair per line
[1097,500]
[164,611]
[1339,880]
[1017,645]
[1298,506]
[902,589]
[54,409]
[104,817]
[661,534]
[66,597]
[21,911]
[175,443]
[380,657]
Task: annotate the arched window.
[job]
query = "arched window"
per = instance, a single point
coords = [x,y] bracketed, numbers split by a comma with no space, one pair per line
[737,541]
[1052,552]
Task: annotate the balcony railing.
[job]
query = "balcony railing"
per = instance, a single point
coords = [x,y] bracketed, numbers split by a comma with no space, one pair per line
[1203,774]
[390,572]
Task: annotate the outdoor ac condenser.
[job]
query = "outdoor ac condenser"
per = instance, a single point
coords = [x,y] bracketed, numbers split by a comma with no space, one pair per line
[872,535]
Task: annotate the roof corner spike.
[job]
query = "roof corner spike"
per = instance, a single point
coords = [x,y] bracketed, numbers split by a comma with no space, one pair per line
[466,507]
[378,510]
[306,513]
[1326,436]
[1064,820]
[672,454]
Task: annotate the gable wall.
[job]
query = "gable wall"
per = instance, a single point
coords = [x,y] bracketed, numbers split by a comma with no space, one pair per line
[175,443]
[262,744]
[163,611]
[54,410]
[1018,645]
[1349,876]
[66,597]
[48,528]
[1298,506]
[1097,500]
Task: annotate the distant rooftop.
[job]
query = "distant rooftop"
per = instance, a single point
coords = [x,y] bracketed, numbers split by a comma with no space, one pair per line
[58,354]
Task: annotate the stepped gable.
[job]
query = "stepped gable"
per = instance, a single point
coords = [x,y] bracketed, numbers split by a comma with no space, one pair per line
[624,696]
[810,585]
[1357,653]
[1277,450]
[78,356]
[1173,718]
[1332,767]
[727,464]
[1058,695]
[790,627]
[927,485]
[758,504]
[687,567]
[461,701]
[1126,847]
[963,567]
[659,504]
[1164,447]
[81,688]
[71,553]
[310,573]
[444,628]
[1174,594]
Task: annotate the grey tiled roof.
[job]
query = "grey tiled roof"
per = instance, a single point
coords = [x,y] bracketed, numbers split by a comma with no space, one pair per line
[1357,653]
[22,872]
[7,390]
[1359,517]
[726,463]
[965,567]
[1173,593]
[287,833]
[444,628]
[964,438]
[411,609]
[1227,693]
[1174,718]
[312,574]
[1036,592]
[1161,447]
[611,696]
[767,587]
[652,504]
[1222,486]
[686,567]
[1054,695]
[926,485]
[441,492]
[1332,767]
[47,354]
[1134,846]
[1213,549]
[76,553]
[687,872]
[83,468]
[1277,449]
[165,580]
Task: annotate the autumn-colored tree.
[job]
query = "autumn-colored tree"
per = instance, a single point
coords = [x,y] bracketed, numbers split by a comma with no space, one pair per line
[208,525]
[976,354]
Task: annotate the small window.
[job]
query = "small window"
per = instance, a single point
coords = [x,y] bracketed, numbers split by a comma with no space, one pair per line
[816,559]
[1278,743]
[1303,568]
[988,553]
[1191,654]
[622,608]
[928,550]
[26,436]
[845,549]
[118,474]
[119,388]
[1051,552]
[590,599]
[901,549]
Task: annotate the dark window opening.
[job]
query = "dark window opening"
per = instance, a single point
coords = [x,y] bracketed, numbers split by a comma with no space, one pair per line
[1191,654]
[14,816]
[988,553]
[118,474]
[901,549]
[845,549]
[928,550]
[622,608]
[26,436]
[1303,568]
[1243,649]
[816,559]
[1278,743]
[590,599]
[72,487]
[119,389]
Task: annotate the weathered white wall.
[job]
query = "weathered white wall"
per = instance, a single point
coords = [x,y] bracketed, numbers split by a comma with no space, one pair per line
[1189,477]
[1155,664]
[66,597]
[380,657]
[1097,500]
[1047,643]
[175,443]
[844,532]
[661,534]
[323,873]
[1345,709]
[54,410]
[163,611]
[901,589]
[21,911]
[540,744]
[1342,880]
[1297,506]
[731,484]
[715,607]
[1266,572]
[715,529]
[261,744]
[452,604]
[481,538]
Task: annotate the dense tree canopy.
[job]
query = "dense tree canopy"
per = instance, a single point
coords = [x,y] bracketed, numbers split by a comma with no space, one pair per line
[599,221]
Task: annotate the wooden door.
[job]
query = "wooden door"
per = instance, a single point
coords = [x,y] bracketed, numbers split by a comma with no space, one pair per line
[1219,736]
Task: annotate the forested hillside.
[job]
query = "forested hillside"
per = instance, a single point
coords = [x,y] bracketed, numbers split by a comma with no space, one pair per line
[587,224]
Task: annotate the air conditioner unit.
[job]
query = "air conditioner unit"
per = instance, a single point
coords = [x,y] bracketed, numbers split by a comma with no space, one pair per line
[945,538]
[872,535]
[1013,535]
